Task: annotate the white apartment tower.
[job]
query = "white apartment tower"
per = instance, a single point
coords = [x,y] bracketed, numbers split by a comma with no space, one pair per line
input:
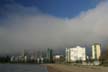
[74,54]
[96,51]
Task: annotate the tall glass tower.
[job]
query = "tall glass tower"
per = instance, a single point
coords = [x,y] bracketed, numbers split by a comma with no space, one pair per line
[49,55]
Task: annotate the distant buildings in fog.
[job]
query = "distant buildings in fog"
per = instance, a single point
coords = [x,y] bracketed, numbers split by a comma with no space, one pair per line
[49,55]
[40,57]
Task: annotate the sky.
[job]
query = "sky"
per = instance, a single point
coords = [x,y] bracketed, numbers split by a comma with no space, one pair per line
[56,24]
[59,8]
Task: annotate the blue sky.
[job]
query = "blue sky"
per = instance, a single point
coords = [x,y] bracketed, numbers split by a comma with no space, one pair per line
[58,8]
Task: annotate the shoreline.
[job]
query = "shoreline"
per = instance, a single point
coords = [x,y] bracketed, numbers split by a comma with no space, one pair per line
[72,68]
[52,69]
[68,67]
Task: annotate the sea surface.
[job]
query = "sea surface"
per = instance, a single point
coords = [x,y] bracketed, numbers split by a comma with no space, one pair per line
[22,68]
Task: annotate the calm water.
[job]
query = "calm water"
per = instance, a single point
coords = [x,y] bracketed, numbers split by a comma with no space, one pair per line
[22,68]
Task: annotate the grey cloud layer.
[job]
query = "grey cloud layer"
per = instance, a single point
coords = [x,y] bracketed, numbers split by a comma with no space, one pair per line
[30,28]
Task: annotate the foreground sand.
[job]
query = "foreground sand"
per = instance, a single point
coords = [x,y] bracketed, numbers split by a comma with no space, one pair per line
[71,68]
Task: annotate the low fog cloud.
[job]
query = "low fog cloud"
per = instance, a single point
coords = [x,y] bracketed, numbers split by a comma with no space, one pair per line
[29,28]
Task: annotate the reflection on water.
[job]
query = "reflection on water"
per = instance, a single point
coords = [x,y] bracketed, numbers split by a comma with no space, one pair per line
[22,68]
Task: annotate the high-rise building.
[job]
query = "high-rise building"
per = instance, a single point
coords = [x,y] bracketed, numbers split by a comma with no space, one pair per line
[49,55]
[75,54]
[96,51]
[24,53]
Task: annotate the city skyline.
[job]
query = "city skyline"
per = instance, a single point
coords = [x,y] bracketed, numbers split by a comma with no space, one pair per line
[52,24]
[76,54]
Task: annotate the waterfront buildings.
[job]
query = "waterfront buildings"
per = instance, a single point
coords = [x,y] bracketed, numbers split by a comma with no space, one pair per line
[58,59]
[49,55]
[96,51]
[75,54]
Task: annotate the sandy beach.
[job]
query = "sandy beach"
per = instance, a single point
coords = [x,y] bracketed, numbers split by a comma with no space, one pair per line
[71,68]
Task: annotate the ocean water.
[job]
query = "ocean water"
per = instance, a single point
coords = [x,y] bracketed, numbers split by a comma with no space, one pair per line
[22,68]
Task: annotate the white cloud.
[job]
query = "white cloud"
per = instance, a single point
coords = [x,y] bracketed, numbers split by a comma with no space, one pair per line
[30,28]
